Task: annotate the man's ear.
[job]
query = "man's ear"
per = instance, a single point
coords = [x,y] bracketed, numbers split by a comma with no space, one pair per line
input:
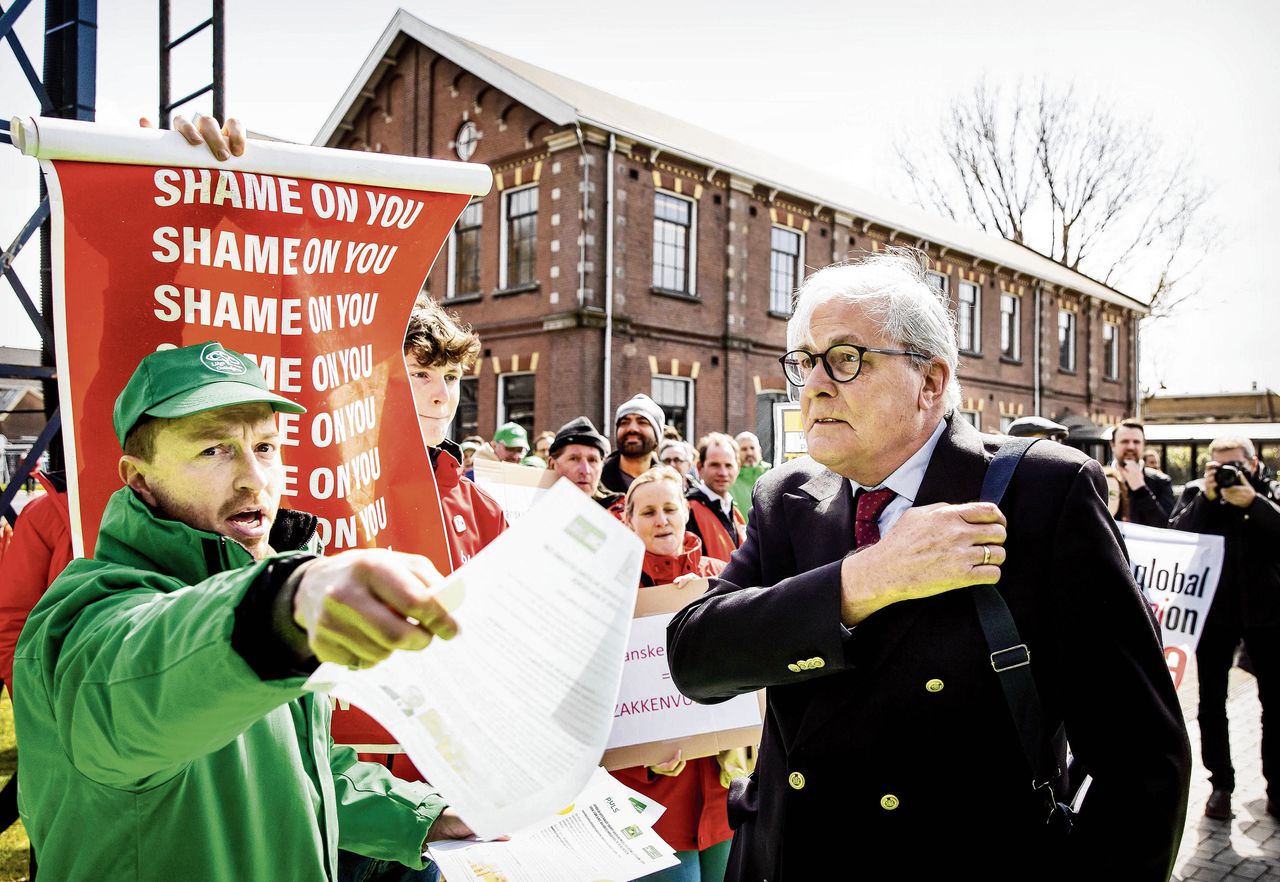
[936,377]
[133,472]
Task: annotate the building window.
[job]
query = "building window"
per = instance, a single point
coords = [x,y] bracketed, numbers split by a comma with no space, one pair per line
[974,418]
[1066,340]
[969,317]
[786,259]
[1005,423]
[674,228]
[467,420]
[464,253]
[520,237]
[938,282]
[1111,350]
[515,401]
[1011,326]
[675,396]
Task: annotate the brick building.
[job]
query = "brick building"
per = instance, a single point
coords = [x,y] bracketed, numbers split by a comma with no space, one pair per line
[622,250]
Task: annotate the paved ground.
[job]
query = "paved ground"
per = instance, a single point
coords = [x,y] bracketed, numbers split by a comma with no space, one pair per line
[1248,846]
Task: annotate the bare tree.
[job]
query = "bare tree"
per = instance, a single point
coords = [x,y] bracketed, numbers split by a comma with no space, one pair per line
[1071,180]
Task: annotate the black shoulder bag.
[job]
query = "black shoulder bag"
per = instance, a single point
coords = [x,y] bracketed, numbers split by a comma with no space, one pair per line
[1011,659]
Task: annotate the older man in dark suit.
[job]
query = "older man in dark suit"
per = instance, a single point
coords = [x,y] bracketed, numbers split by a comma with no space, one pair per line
[889,747]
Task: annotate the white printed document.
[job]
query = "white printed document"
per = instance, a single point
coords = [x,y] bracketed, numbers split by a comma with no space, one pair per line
[510,718]
[604,834]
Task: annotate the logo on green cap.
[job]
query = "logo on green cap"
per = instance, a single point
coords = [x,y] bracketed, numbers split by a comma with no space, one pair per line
[215,358]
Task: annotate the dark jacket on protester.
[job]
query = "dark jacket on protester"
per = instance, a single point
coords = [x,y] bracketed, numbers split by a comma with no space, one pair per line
[1152,503]
[613,478]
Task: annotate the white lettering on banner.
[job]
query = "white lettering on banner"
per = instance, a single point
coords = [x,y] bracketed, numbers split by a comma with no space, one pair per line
[356,309]
[392,210]
[237,312]
[288,425]
[320,313]
[258,192]
[339,203]
[373,517]
[269,255]
[290,480]
[369,257]
[339,534]
[354,474]
[289,377]
[334,427]
[335,369]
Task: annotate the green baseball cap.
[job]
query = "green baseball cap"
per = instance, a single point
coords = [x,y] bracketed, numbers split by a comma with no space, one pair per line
[174,383]
[512,435]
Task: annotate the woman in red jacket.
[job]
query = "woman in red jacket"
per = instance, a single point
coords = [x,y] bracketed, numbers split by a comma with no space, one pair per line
[695,792]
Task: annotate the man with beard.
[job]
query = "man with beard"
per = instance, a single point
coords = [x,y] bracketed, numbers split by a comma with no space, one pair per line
[1150,491]
[165,732]
[638,425]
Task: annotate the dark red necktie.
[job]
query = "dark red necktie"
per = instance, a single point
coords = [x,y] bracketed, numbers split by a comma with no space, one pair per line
[871,504]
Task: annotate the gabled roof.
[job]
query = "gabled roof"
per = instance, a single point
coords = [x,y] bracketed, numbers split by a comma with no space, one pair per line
[563,101]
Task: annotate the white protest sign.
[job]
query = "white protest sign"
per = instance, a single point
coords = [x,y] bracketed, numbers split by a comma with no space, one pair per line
[1178,572]
[652,719]
[516,488]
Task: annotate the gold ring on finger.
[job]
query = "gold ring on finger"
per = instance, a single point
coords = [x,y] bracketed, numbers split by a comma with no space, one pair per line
[986,555]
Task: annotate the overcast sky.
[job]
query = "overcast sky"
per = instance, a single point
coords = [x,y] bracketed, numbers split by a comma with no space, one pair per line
[828,83]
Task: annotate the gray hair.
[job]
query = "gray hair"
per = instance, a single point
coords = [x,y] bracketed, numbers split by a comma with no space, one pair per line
[892,289]
[1220,444]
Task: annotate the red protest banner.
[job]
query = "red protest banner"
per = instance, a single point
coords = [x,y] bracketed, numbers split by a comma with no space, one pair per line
[310,272]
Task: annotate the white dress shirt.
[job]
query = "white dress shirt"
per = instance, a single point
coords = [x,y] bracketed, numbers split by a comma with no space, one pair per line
[905,481]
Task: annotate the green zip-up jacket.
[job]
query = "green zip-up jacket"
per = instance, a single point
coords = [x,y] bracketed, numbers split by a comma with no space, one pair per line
[163,732]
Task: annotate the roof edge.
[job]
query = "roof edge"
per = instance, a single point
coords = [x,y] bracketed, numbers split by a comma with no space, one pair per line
[407,24]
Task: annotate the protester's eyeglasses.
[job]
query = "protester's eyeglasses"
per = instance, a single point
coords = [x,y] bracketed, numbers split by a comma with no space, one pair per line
[672,460]
[843,362]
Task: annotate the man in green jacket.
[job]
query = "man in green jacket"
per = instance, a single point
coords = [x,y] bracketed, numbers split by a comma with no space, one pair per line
[164,732]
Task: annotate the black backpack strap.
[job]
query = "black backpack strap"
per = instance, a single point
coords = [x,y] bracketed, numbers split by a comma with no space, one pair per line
[1010,658]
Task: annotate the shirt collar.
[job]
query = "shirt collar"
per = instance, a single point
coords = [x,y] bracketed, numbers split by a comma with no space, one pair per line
[906,478]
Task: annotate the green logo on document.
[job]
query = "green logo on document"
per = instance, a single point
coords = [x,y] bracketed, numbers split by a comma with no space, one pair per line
[631,832]
[584,532]
[637,805]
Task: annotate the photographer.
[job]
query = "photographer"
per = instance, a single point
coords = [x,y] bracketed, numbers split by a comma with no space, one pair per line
[1235,500]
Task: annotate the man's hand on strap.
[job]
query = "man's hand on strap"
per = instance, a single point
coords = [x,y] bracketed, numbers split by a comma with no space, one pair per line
[931,549]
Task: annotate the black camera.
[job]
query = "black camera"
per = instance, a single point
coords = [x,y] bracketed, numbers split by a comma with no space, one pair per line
[1229,474]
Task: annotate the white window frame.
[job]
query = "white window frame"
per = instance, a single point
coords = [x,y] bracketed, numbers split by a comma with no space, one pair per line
[692,269]
[692,386]
[1005,423]
[976,340]
[1016,354]
[502,393]
[944,282]
[1071,339]
[799,273]
[451,285]
[502,236]
[1111,351]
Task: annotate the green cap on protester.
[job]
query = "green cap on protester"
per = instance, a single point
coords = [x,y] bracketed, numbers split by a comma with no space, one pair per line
[512,435]
[174,383]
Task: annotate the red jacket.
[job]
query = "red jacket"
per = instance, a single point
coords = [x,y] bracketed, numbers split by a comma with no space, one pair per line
[38,552]
[472,520]
[697,804]
[720,535]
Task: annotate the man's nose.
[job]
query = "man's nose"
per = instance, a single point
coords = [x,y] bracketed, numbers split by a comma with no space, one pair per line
[252,473]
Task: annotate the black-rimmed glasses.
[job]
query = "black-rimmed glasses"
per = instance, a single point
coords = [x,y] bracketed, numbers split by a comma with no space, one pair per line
[843,362]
